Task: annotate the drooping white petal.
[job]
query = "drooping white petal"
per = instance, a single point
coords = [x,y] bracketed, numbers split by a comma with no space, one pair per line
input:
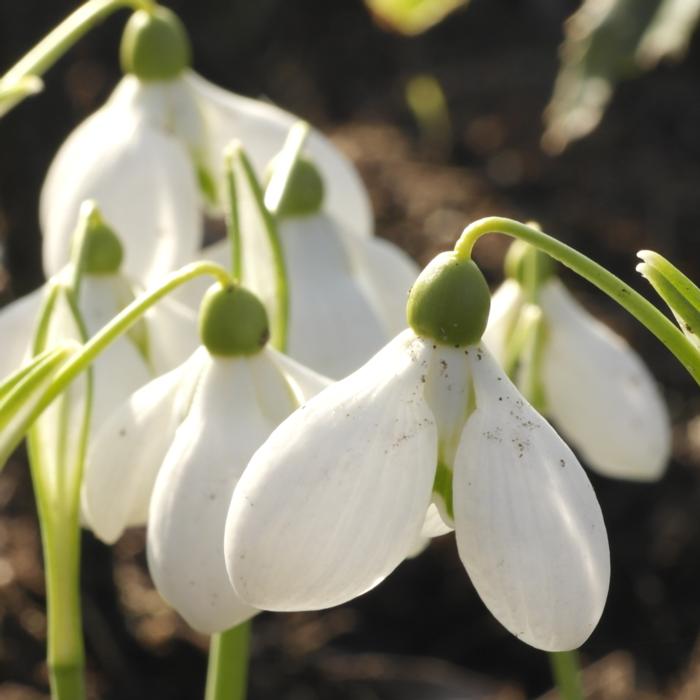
[506,303]
[173,334]
[333,327]
[17,321]
[529,528]
[262,128]
[121,369]
[336,497]
[385,274]
[237,404]
[601,394]
[143,181]
[434,525]
[304,382]
[128,450]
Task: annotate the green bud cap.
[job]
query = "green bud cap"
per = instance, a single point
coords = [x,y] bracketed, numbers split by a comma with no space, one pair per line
[305,191]
[522,260]
[449,302]
[101,251]
[232,321]
[155,45]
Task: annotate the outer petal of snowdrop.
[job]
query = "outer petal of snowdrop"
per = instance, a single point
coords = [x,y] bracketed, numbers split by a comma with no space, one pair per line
[506,303]
[336,497]
[600,393]
[385,274]
[262,129]
[17,321]
[172,332]
[121,368]
[237,404]
[529,528]
[304,382]
[127,452]
[144,182]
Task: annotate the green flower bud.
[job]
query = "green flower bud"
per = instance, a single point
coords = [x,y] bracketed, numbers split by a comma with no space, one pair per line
[304,194]
[101,251]
[522,260]
[449,302]
[155,45]
[232,321]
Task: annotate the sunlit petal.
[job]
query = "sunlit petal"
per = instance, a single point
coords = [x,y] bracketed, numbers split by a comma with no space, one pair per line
[601,394]
[529,528]
[17,321]
[506,303]
[336,497]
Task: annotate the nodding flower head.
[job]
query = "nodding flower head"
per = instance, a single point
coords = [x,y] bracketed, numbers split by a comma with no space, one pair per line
[430,434]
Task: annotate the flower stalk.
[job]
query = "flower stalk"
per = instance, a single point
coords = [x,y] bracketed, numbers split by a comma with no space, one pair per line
[23,78]
[565,669]
[227,673]
[633,302]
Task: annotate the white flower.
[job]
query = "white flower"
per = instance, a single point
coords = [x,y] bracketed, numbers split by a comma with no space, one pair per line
[149,150]
[171,456]
[597,389]
[337,496]
[347,294]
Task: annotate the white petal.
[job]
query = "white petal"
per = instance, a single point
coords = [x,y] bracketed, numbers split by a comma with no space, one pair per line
[506,303]
[336,497]
[529,528]
[304,382]
[127,452]
[262,129]
[144,183]
[600,393]
[121,369]
[17,321]
[386,275]
[333,327]
[434,525]
[173,333]
[237,404]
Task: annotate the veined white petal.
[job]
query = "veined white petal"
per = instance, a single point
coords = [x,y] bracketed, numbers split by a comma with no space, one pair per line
[304,382]
[529,528]
[333,327]
[144,183]
[506,303]
[17,321]
[173,334]
[600,393]
[262,128]
[121,369]
[127,452]
[335,498]
[237,404]
[386,275]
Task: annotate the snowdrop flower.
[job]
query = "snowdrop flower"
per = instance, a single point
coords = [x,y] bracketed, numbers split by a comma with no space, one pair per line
[152,155]
[102,293]
[337,496]
[172,454]
[347,294]
[595,386]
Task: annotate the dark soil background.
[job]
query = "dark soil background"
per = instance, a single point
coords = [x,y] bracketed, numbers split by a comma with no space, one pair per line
[633,184]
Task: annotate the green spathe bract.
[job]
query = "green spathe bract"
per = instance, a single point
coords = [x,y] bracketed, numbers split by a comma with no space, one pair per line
[526,264]
[155,45]
[232,321]
[449,302]
[304,194]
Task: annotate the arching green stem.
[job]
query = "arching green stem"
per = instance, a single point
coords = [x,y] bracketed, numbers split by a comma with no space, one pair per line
[22,79]
[80,361]
[633,302]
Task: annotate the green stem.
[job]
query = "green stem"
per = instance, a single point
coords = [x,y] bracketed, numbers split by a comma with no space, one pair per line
[233,223]
[227,673]
[613,286]
[565,669]
[80,361]
[39,59]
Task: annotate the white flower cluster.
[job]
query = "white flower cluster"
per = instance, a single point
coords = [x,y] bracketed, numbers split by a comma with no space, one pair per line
[264,485]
